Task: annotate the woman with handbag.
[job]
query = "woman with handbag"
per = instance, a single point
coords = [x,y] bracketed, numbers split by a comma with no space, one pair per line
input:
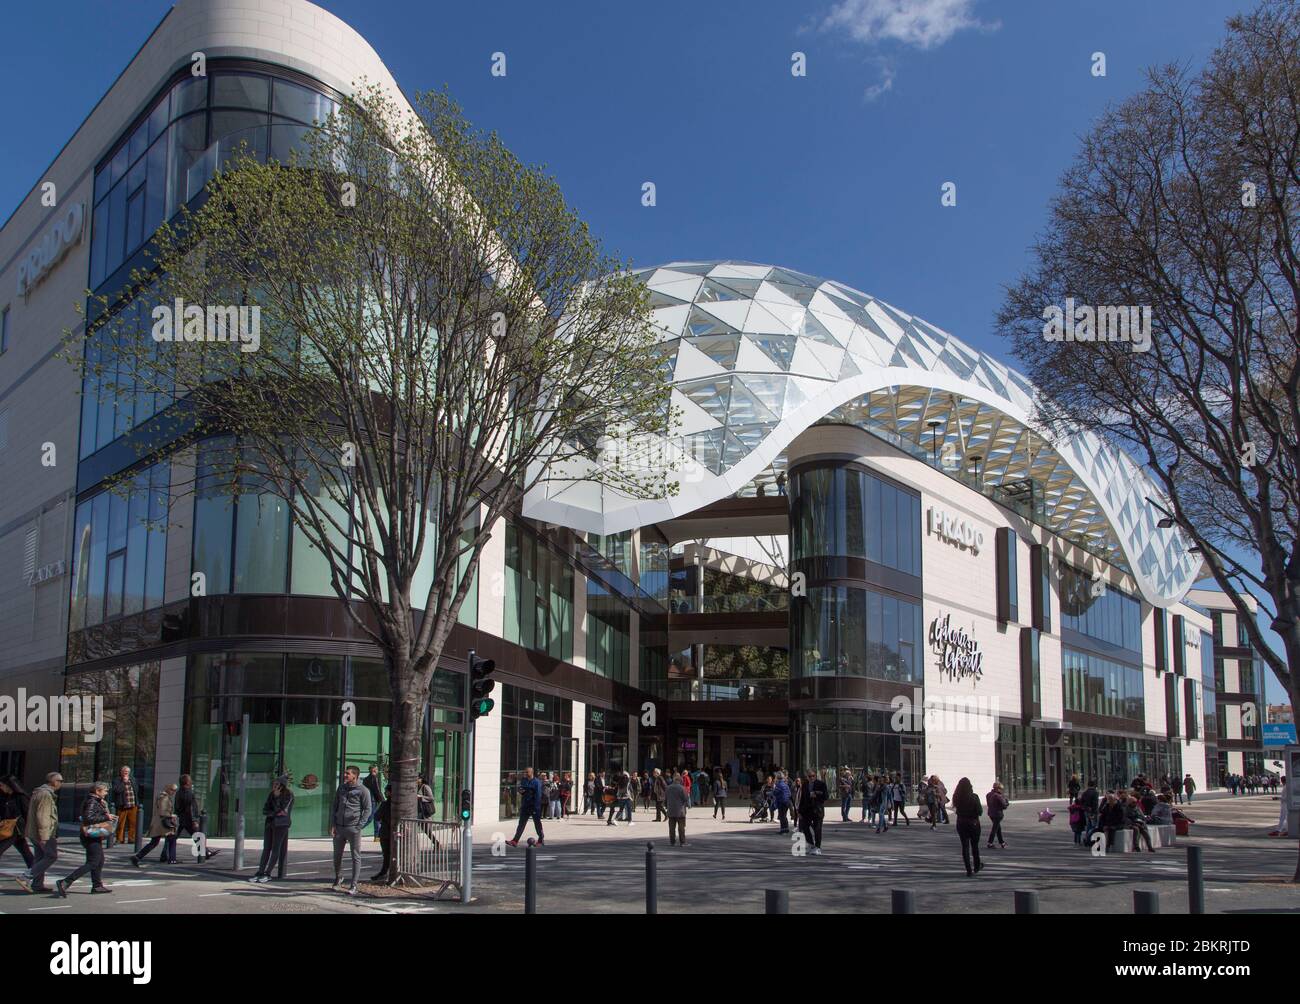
[278,813]
[13,818]
[96,827]
[161,828]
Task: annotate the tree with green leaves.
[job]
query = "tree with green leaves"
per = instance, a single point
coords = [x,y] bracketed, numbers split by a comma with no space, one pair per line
[429,333]
[1183,199]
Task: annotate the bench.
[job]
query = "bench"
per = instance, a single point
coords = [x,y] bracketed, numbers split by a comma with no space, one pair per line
[1161,836]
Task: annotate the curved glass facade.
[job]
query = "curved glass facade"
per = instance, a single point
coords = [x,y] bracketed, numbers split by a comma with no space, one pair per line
[849,512]
[852,631]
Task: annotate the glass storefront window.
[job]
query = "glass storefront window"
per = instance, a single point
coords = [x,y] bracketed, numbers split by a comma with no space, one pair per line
[1100,611]
[850,631]
[849,512]
[539,595]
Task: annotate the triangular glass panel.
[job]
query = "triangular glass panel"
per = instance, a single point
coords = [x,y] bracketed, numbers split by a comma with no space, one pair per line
[798,293]
[694,268]
[720,348]
[795,278]
[757,397]
[658,299]
[778,348]
[706,449]
[702,323]
[711,291]
[848,368]
[813,328]
[711,395]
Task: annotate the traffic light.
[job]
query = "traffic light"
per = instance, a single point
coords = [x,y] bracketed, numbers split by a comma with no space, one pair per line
[466,805]
[480,685]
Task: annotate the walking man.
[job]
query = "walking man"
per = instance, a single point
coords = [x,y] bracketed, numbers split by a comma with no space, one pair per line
[530,806]
[1189,786]
[42,833]
[660,789]
[351,812]
[372,785]
[126,805]
[678,798]
[812,810]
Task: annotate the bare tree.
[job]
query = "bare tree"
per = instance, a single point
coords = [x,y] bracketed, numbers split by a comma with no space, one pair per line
[436,334]
[1183,199]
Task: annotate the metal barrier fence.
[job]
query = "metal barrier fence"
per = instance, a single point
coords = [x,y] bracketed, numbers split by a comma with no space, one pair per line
[428,853]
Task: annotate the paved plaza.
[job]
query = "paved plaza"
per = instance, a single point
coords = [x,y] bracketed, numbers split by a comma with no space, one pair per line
[588,867]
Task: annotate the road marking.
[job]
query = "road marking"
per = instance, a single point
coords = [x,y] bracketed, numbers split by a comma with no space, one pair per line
[38,909]
[208,895]
[159,899]
[134,882]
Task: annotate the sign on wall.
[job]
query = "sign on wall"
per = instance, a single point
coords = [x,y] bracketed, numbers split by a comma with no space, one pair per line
[1276,735]
[51,249]
[956,530]
[959,653]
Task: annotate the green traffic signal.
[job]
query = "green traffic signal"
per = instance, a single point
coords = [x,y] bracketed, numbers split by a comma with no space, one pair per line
[482,706]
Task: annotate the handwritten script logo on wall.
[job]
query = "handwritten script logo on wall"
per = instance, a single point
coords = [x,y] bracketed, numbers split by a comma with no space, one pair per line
[959,653]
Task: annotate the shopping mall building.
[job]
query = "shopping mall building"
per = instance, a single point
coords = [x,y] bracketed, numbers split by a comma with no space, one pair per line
[875,558]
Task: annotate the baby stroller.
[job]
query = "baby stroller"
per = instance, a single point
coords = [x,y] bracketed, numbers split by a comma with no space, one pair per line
[758,808]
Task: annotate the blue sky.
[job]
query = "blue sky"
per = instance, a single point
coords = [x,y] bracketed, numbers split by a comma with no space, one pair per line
[837,173]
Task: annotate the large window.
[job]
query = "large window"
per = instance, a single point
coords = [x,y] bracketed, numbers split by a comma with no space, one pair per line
[1099,686]
[539,595]
[861,740]
[609,640]
[848,512]
[537,732]
[199,124]
[1099,610]
[847,631]
[120,550]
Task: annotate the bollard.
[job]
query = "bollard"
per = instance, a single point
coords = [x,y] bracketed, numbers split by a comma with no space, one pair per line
[1195,880]
[902,901]
[1145,901]
[651,879]
[776,901]
[530,877]
[1026,901]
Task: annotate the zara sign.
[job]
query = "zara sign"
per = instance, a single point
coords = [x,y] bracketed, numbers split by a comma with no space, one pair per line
[51,249]
[956,530]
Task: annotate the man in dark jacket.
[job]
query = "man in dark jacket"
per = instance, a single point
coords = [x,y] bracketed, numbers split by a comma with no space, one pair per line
[530,806]
[677,798]
[1091,802]
[660,791]
[812,810]
[781,796]
[372,785]
[997,803]
[350,813]
[383,818]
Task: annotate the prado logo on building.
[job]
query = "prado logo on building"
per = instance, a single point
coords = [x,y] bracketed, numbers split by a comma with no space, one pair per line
[1098,324]
[181,322]
[52,248]
[102,958]
[956,530]
[53,714]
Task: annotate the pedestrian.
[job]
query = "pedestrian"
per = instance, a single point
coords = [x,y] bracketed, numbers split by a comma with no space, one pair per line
[812,810]
[96,827]
[626,795]
[530,806]
[126,804]
[1078,820]
[900,799]
[589,794]
[42,832]
[781,798]
[647,790]
[162,828]
[719,795]
[189,818]
[350,811]
[277,817]
[844,784]
[931,795]
[13,819]
[884,802]
[372,782]
[556,796]
[600,786]
[1189,786]
[1090,800]
[677,799]
[966,804]
[941,790]
[423,798]
[1135,820]
[997,803]
[384,816]
[685,775]
[796,796]
[1074,787]
[660,788]
[1110,817]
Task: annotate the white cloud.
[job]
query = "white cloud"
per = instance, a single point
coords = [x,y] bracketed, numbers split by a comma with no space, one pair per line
[922,24]
[886,84]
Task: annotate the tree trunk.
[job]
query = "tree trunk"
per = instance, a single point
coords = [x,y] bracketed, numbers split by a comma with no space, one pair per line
[410,697]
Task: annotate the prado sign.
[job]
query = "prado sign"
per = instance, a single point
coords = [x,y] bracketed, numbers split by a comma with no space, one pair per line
[956,530]
[959,653]
[51,249]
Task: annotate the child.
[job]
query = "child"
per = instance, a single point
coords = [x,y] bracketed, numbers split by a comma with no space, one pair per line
[1078,820]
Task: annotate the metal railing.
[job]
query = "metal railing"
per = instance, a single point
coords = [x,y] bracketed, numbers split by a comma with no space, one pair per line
[428,853]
